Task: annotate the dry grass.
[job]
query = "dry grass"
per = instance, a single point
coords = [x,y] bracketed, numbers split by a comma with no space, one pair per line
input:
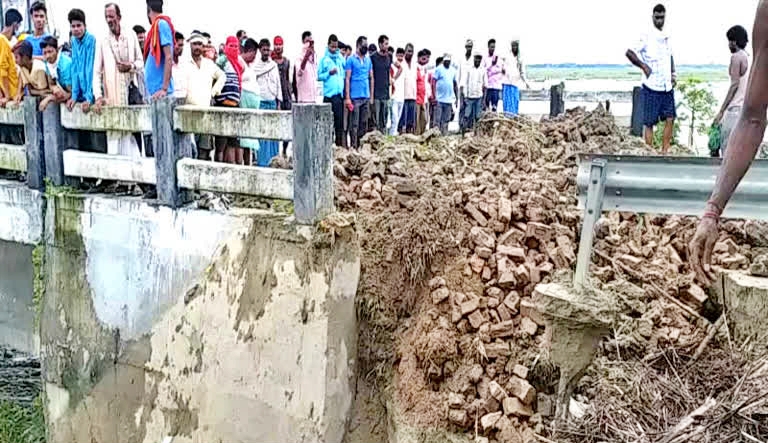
[720,398]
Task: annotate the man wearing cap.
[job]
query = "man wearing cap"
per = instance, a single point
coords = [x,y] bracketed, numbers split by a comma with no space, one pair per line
[465,65]
[447,89]
[201,73]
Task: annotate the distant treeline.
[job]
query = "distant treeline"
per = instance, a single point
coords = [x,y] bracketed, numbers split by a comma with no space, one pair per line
[616,66]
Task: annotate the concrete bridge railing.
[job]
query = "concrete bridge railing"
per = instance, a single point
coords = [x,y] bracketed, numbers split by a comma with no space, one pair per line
[173,170]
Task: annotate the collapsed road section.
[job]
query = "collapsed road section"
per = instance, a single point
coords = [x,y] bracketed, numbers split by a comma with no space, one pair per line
[460,234]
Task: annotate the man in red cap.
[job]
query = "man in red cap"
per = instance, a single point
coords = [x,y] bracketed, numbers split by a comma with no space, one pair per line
[285,79]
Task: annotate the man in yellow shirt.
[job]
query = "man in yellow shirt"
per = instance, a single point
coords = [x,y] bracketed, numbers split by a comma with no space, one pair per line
[9,79]
[33,76]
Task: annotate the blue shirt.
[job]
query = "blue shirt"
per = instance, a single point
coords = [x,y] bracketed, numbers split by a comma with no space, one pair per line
[63,71]
[152,71]
[359,81]
[445,78]
[333,84]
[37,51]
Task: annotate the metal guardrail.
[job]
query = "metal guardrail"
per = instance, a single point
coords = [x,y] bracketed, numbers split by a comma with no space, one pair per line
[658,185]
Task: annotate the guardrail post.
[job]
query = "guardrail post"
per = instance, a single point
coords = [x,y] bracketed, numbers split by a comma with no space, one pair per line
[54,144]
[593,209]
[557,100]
[33,133]
[637,112]
[168,150]
[313,162]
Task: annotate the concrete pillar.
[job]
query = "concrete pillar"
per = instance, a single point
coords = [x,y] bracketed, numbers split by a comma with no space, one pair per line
[33,133]
[745,298]
[168,149]
[637,112]
[54,144]
[557,100]
[313,162]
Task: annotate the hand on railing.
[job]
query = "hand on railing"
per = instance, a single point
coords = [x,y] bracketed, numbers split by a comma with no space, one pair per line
[99,104]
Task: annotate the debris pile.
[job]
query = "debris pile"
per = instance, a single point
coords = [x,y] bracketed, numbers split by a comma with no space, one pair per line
[457,233]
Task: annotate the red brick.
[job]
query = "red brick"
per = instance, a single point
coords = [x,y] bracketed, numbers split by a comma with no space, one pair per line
[539,231]
[528,310]
[440,295]
[489,420]
[520,371]
[512,302]
[470,306]
[505,210]
[497,391]
[476,319]
[504,314]
[508,280]
[437,282]
[458,417]
[476,263]
[475,214]
[521,389]
[528,326]
[483,252]
[511,251]
[482,237]
[513,406]
[503,329]
[498,349]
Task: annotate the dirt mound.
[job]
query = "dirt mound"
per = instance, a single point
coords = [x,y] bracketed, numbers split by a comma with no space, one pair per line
[457,232]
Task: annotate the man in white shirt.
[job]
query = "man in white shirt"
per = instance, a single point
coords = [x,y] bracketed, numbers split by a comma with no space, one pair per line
[653,55]
[200,74]
[473,87]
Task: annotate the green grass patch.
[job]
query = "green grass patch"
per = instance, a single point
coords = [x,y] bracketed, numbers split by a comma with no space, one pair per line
[38,258]
[19,424]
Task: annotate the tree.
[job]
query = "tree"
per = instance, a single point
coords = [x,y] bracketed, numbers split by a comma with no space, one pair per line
[700,103]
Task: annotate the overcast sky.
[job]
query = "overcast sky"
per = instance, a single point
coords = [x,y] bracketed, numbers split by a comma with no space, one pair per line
[551,31]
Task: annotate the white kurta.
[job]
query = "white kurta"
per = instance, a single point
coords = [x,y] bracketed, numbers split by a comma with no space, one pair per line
[112,85]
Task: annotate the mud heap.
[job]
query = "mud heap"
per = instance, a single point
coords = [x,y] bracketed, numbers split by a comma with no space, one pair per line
[457,233]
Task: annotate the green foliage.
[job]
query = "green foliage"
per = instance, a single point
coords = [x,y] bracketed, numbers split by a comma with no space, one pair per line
[19,424]
[52,190]
[38,259]
[698,103]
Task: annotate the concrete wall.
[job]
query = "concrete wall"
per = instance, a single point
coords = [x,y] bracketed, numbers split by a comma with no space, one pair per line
[144,336]
[17,318]
[21,213]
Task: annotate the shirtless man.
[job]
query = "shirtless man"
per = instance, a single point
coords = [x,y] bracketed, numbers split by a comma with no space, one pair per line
[742,147]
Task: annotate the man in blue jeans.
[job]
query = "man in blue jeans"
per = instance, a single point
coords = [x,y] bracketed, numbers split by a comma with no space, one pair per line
[447,93]
[359,84]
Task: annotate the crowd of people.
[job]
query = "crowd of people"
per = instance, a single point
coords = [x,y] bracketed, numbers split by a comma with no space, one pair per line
[369,87]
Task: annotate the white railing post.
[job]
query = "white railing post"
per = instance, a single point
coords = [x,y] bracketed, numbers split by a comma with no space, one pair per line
[169,149]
